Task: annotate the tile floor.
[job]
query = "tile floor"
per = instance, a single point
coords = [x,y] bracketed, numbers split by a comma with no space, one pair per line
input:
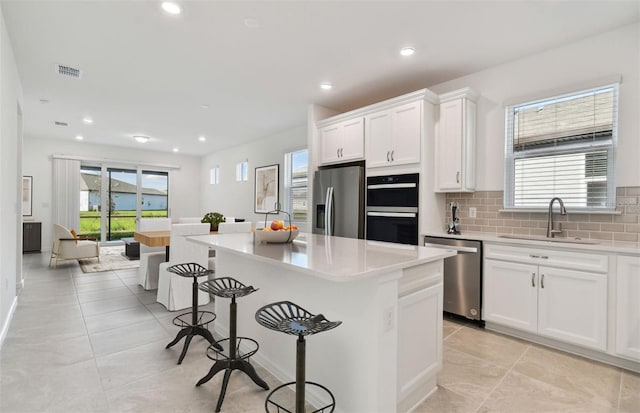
[95,343]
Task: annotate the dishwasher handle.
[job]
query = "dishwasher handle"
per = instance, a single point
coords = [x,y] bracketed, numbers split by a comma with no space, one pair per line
[471,250]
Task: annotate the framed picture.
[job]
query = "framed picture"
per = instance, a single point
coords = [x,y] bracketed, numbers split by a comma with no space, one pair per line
[266,188]
[27,194]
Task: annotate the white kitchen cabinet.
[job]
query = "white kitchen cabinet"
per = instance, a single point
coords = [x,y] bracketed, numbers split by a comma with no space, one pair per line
[529,290]
[628,307]
[455,147]
[393,136]
[343,141]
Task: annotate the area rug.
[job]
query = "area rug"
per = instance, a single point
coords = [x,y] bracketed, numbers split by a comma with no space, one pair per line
[111,258]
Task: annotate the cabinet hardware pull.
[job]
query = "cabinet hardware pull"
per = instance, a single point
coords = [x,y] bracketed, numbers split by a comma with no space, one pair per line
[544,257]
[338,152]
[388,156]
[542,281]
[533,279]
[392,155]
[458,177]
[534,256]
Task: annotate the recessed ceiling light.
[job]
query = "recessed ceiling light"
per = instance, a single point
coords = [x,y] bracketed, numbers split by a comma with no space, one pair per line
[141,139]
[326,86]
[407,51]
[171,7]
[79,137]
[202,138]
[175,149]
[88,121]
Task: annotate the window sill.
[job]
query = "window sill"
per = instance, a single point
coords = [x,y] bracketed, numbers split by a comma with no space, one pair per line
[569,211]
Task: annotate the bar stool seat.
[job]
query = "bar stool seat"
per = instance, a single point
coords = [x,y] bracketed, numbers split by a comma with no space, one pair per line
[193,323]
[230,357]
[289,318]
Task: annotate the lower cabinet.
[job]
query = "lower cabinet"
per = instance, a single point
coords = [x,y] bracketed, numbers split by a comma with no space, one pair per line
[31,236]
[559,303]
[628,307]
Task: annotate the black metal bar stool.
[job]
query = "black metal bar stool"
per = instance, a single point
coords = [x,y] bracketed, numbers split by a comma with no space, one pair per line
[194,323]
[233,358]
[289,318]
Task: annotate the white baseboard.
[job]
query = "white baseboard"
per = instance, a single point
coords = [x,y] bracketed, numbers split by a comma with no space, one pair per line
[7,320]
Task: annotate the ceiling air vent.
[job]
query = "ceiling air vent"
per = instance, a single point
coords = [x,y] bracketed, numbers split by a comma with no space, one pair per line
[61,123]
[68,71]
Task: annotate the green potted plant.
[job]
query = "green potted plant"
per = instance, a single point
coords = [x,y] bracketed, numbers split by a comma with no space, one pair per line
[214,219]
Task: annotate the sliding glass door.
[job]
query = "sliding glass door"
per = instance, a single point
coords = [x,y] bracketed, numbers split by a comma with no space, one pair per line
[112,200]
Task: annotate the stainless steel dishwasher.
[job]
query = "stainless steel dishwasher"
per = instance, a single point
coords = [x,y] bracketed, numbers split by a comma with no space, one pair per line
[462,277]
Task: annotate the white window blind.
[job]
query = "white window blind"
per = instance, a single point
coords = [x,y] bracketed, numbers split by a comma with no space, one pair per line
[563,146]
[214,175]
[242,171]
[296,184]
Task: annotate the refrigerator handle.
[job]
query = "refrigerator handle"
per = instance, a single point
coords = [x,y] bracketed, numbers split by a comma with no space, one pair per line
[329,212]
[326,211]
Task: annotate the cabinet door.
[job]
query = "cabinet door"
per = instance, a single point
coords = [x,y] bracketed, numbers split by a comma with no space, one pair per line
[449,146]
[352,139]
[378,132]
[572,306]
[406,133]
[511,294]
[628,307]
[330,142]
[420,318]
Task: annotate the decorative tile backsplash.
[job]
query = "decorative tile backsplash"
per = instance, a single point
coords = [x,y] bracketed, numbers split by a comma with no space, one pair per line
[620,227]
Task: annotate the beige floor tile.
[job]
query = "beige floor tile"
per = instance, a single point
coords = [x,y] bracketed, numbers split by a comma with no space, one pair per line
[449,328]
[493,347]
[126,337]
[114,319]
[630,393]
[110,304]
[444,400]
[469,375]
[522,394]
[593,381]
[85,297]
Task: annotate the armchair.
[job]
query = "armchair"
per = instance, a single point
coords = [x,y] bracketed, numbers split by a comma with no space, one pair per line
[68,247]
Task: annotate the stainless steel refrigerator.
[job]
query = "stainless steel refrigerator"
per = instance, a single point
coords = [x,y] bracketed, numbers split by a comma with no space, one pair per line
[338,201]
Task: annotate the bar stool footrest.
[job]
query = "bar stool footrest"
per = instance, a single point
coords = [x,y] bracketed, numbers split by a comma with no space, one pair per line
[287,403]
[184,320]
[215,354]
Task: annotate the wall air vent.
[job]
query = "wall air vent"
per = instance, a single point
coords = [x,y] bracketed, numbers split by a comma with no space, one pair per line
[61,123]
[68,71]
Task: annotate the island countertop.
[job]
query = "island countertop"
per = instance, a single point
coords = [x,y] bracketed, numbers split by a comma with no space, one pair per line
[332,258]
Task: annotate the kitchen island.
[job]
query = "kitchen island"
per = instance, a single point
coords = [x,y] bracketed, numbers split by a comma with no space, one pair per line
[385,355]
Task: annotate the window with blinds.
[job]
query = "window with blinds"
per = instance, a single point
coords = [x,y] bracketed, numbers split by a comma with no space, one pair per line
[562,146]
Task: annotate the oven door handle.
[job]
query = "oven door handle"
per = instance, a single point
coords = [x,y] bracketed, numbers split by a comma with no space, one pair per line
[452,247]
[392,214]
[391,186]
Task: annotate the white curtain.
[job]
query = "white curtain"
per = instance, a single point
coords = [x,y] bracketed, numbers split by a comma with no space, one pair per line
[66,193]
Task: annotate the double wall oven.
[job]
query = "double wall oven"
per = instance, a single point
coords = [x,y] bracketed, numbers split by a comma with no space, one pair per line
[392,208]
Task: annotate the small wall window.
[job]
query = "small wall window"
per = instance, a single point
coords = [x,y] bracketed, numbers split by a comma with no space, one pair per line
[296,181]
[214,175]
[242,171]
[562,146]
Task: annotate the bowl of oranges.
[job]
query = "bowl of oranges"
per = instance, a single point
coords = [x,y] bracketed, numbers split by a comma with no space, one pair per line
[277,233]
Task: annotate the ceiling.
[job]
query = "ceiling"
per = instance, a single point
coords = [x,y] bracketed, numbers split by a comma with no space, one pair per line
[145,72]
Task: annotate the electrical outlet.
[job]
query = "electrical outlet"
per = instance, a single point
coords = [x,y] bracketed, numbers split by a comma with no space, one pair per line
[388,319]
[473,212]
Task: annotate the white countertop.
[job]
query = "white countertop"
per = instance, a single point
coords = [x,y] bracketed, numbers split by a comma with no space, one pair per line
[621,247]
[332,258]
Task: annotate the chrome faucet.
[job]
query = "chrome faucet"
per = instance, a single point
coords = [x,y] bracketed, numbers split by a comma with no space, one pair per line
[550,231]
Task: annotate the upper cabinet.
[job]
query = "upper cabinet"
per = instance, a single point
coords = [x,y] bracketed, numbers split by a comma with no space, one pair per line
[342,141]
[393,135]
[455,148]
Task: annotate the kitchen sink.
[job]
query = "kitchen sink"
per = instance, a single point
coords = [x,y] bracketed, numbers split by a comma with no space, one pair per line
[542,238]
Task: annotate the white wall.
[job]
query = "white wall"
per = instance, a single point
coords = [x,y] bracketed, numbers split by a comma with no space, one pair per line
[10,179]
[236,199]
[184,183]
[557,71]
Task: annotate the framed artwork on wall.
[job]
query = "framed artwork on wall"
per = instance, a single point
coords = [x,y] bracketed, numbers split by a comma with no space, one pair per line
[27,194]
[266,188]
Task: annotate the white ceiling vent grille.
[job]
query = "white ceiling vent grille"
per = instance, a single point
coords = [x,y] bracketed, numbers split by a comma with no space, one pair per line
[68,71]
[58,123]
